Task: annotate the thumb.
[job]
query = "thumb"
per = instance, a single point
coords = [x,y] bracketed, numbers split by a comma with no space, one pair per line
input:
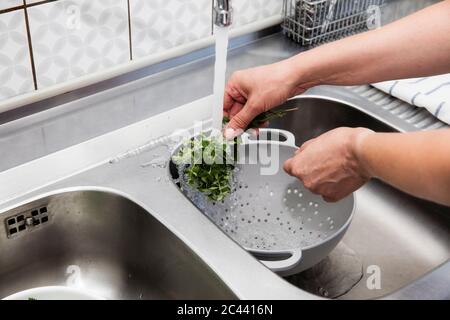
[287,166]
[243,118]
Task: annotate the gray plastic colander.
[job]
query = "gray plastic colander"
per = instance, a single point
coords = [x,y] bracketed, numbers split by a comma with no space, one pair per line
[273,216]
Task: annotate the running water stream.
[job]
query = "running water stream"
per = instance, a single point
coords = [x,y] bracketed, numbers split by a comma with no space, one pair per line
[220,67]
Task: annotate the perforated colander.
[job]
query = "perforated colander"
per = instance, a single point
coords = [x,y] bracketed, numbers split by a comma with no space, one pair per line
[272,215]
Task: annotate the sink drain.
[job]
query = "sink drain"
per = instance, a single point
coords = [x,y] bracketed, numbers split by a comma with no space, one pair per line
[26,220]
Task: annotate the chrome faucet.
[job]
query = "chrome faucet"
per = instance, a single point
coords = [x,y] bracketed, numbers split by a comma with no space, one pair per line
[223,13]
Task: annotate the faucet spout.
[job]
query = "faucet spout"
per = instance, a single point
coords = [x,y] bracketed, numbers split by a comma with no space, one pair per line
[223,13]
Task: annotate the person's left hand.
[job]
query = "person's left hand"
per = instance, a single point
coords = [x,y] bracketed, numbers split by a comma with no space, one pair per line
[330,165]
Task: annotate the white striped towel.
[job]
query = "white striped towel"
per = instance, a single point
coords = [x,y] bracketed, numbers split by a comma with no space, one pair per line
[432,93]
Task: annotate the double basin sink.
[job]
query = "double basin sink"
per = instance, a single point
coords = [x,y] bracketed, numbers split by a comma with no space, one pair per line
[113,247]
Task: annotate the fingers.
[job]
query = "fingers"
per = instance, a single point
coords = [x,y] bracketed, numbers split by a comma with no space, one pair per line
[287,166]
[242,119]
[290,163]
[235,109]
[228,101]
[232,95]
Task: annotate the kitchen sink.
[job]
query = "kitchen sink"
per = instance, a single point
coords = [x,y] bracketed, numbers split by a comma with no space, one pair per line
[101,242]
[401,236]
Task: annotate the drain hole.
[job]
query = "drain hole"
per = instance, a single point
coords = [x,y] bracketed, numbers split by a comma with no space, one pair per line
[25,220]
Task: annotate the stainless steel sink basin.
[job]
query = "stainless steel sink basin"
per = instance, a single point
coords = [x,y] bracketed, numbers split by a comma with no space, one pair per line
[104,243]
[404,236]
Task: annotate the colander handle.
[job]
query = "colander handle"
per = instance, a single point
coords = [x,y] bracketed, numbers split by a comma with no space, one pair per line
[283,265]
[290,138]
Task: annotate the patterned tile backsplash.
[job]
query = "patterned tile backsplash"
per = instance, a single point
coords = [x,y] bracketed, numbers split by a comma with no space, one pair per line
[158,25]
[72,38]
[49,42]
[15,68]
[6,4]
[250,11]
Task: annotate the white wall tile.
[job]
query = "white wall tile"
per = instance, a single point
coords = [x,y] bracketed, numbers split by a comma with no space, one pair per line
[5,4]
[72,38]
[15,66]
[248,11]
[159,25]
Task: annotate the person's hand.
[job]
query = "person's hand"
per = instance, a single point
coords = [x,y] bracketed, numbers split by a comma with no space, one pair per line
[253,91]
[329,165]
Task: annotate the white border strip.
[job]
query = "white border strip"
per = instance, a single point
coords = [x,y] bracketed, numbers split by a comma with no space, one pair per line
[130,66]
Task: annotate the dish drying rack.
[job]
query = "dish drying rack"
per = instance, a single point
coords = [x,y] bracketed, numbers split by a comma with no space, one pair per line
[312,22]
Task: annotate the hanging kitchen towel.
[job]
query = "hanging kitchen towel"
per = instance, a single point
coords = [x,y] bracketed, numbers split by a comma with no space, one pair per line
[432,93]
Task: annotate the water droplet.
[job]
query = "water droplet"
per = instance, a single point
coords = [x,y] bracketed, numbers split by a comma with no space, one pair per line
[300,195]
[292,209]
[310,204]
[316,205]
[284,199]
[316,213]
[295,191]
[289,191]
[271,193]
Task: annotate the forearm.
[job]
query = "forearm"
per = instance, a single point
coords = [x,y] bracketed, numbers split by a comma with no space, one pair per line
[415,46]
[417,163]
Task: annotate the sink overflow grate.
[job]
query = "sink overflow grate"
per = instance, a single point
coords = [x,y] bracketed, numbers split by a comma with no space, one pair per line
[26,220]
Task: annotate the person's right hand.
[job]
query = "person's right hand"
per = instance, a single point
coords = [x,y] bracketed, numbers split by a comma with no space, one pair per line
[253,91]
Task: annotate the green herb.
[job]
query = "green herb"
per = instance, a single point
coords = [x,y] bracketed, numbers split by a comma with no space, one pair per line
[209,164]
[264,117]
[31,298]
[209,161]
